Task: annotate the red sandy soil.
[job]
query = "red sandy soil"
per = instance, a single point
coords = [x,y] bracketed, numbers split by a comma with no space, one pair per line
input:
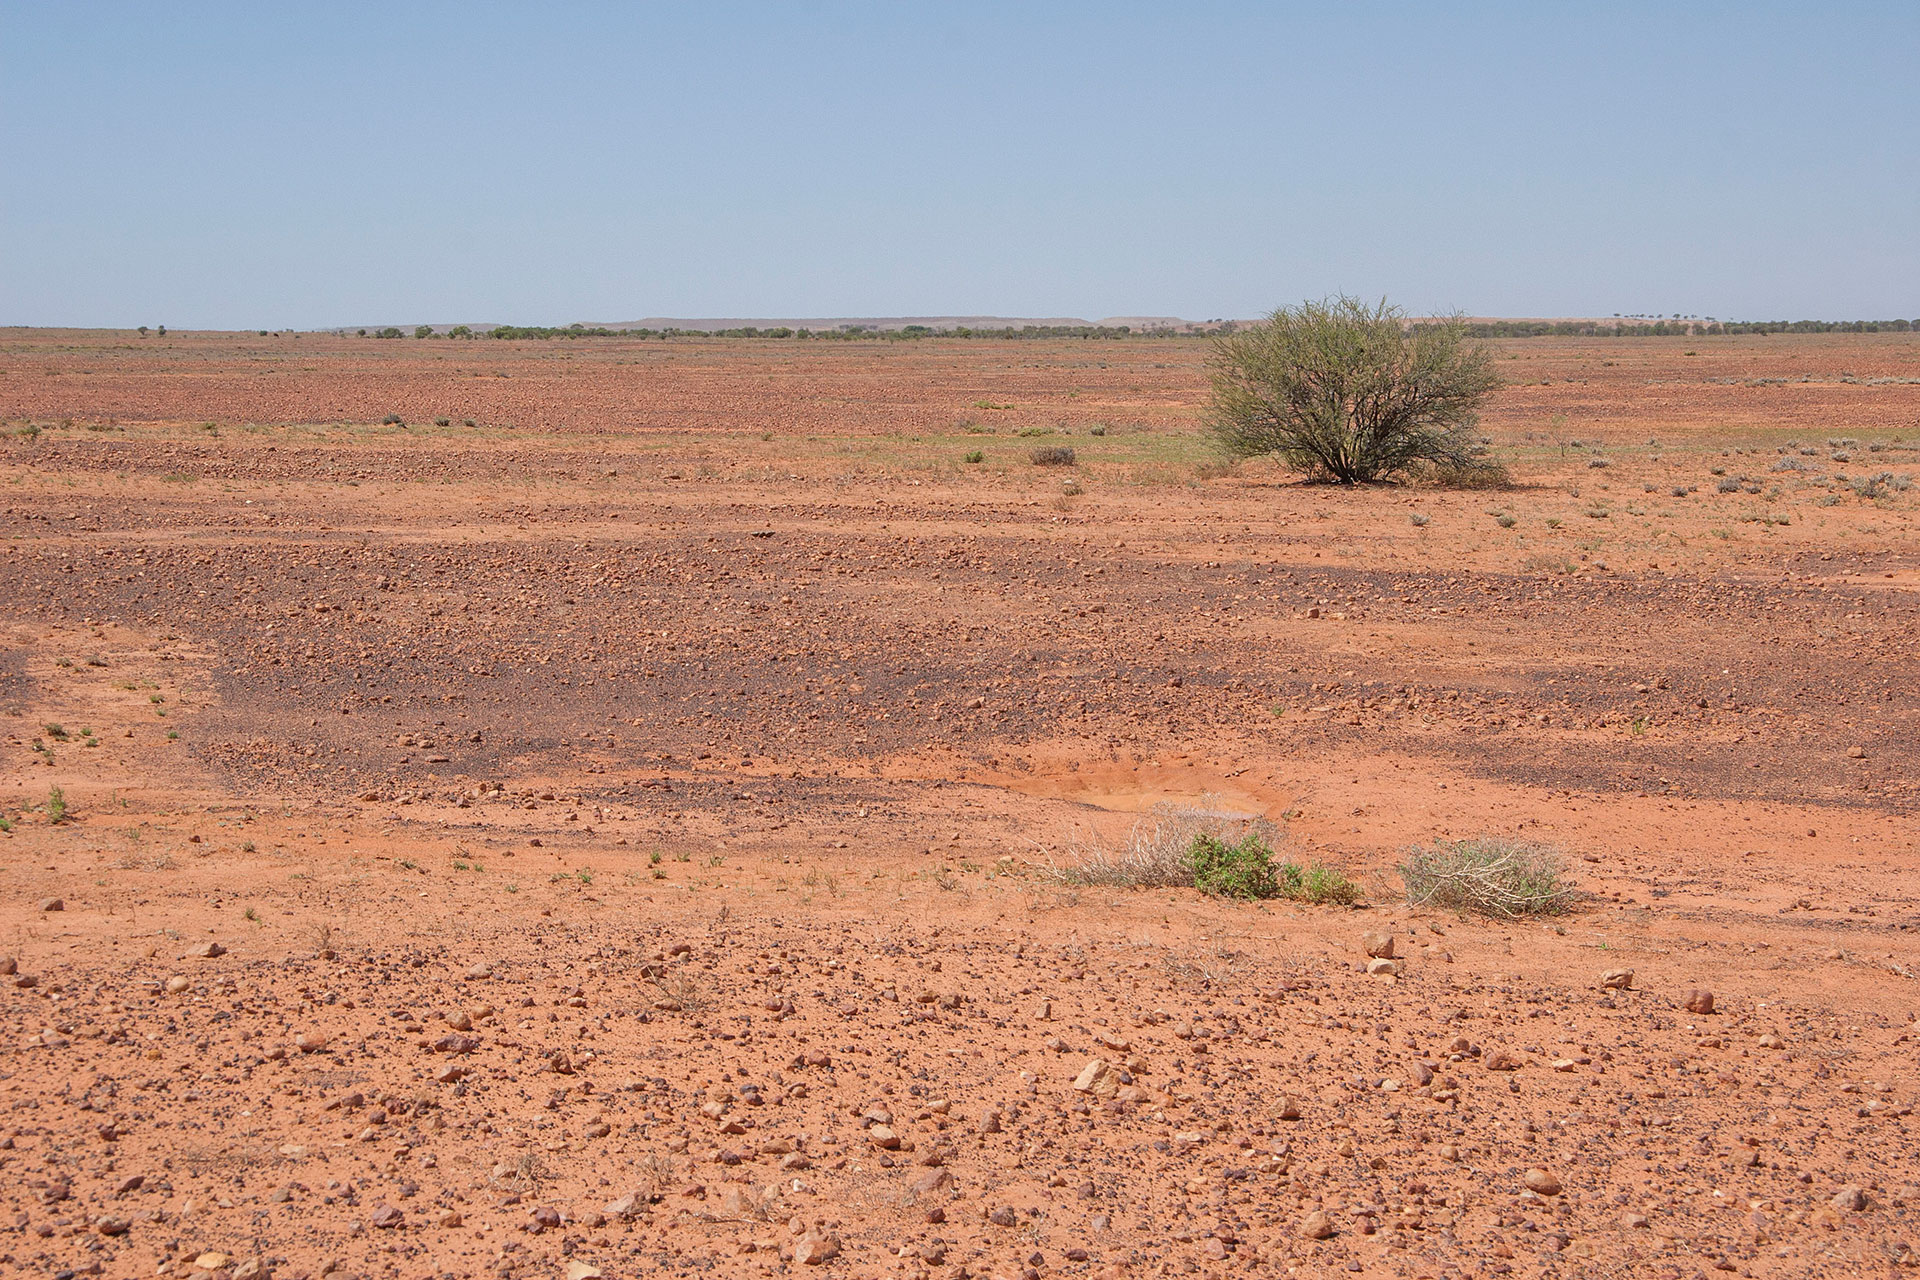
[704,698]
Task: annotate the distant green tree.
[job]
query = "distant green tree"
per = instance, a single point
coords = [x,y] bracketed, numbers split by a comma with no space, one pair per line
[423,331]
[1351,392]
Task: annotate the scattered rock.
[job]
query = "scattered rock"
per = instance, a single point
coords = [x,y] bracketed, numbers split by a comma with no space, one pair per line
[1316,1225]
[1849,1199]
[1501,1060]
[208,951]
[1383,968]
[1099,1078]
[1378,945]
[814,1248]
[1699,1001]
[52,904]
[1616,980]
[1541,1182]
[310,1041]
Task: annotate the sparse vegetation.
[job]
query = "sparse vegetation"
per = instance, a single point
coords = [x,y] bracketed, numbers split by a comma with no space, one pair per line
[1490,875]
[1195,846]
[1055,455]
[56,805]
[1349,392]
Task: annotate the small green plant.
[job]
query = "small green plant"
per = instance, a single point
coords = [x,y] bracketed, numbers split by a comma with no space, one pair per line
[408,864]
[683,856]
[513,888]
[253,915]
[1553,522]
[392,420]
[1244,870]
[584,877]
[246,846]
[58,732]
[1319,884]
[1420,519]
[1056,455]
[1490,875]
[458,865]
[976,455]
[1505,521]
[6,824]
[653,859]
[173,735]
[443,421]
[56,805]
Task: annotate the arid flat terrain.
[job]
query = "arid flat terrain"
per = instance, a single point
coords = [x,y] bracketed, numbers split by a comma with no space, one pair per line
[596,807]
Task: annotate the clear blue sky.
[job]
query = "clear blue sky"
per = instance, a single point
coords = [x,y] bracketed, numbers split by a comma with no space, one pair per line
[267,165]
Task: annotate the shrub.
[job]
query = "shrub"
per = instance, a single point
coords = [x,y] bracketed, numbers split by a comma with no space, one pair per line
[1217,852]
[1491,875]
[976,455]
[1349,392]
[1053,455]
[423,331]
[56,805]
[392,420]
[1099,430]
[1243,870]
[443,422]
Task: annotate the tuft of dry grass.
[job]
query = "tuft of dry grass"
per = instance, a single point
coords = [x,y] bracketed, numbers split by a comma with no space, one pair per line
[1491,875]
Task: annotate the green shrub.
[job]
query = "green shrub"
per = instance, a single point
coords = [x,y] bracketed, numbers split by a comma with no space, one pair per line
[1317,884]
[1057,455]
[1351,392]
[1491,875]
[1243,870]
[976,455]
[56,805]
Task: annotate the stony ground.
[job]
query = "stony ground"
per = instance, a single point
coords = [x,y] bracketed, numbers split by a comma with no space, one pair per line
[611,840]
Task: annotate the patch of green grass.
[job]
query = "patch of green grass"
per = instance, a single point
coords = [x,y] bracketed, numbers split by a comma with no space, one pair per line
[976,455]
[56,805]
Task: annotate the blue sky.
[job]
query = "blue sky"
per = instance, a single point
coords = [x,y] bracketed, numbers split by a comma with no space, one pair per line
[267,165]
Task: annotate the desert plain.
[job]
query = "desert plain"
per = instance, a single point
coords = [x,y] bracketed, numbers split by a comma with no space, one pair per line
[607,807]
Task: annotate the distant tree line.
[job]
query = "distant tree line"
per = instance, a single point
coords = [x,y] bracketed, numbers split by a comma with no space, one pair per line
[1675,328]
[1102,332]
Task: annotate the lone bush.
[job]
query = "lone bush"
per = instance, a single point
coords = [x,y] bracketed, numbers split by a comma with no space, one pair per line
[1243,870]
[1053,455]
[1350,392]
[1491,875]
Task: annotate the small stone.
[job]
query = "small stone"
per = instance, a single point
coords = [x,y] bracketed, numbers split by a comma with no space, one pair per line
[1501,1060]
[1849,1199]
[1002,1217]
[813,1248]
[1856,753]
[1288,1108]
[1699,1001]
[1772,1042]
[1378,945]
[1541,1182]
[1636,1222]
[208,951]
[178,983]
[1383,968]
[883,1137]
[1316,1225]
[929,1181]
[1616,980]
[449,1218]
[211,1262]
[8,966]
[52,904]
[627,1206]
[1099,1078]
[310,1042]
[577,1270]
[111,1226]
[478,972]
